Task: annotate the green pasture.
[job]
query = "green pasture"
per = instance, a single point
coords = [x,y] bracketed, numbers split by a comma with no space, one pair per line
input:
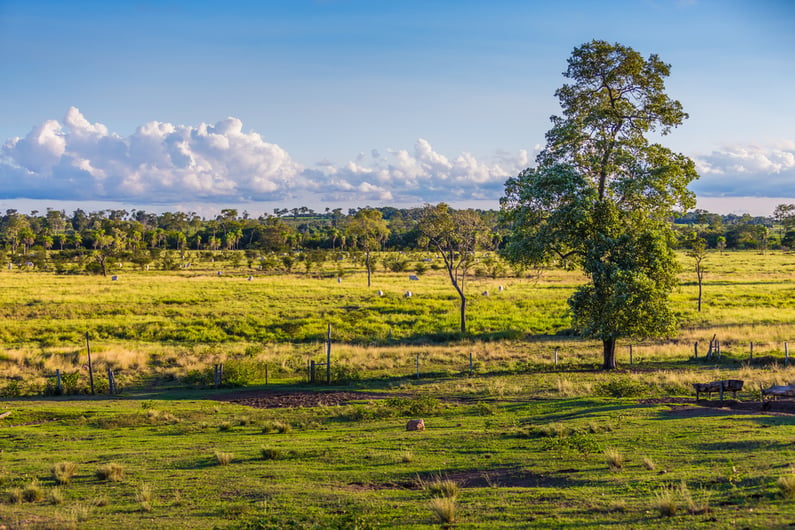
[514,439]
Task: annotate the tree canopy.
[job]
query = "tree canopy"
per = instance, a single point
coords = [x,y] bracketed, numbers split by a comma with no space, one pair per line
[601,195]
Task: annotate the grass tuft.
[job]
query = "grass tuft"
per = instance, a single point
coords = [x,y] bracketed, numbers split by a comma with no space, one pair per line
[112,472]
[63,472]
[649,464]
[614,459]
[276,427]
[444,509]
[786,485]
[143,496]
[271,453]
[33,492]
[223,459]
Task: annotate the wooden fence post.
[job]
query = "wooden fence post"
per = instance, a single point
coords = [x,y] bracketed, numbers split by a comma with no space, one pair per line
[695,349]
[312,372]
[556,356]
[630,354]
[786,354]
[90,367]
[58,387]
[751,351]
[266,375]
[470,364]
[418,365]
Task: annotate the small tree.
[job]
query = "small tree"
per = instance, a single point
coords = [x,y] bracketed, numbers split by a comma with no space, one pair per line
[455,236]
[698,251]
[368,231]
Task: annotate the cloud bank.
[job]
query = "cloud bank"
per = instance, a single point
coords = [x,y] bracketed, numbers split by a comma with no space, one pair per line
[747,171]
[76,160]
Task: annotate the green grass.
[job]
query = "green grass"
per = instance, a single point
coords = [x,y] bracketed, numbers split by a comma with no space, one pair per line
[521,442]
[534,461]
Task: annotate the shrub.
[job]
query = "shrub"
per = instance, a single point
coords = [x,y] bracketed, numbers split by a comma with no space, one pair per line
[112,472]
[223,459]
[63,472]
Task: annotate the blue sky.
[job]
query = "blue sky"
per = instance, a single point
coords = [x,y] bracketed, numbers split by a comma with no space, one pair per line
[205,105]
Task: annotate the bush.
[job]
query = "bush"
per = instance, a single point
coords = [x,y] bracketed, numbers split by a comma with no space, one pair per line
[271,453]
[33,492]
[276,426]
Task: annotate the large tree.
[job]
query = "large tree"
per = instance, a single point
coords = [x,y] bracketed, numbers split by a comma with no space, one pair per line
[601,194]
[455,236]
[368,231]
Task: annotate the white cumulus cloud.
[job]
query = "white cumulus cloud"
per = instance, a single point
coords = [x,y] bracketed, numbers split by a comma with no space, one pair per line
[75,159]
[748,171]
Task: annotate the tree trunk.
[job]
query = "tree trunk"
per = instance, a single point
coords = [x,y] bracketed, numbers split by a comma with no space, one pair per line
[609,346]
[367,264]
[699,292]
[463,314]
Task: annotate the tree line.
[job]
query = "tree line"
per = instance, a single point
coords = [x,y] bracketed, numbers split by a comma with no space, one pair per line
[22,234]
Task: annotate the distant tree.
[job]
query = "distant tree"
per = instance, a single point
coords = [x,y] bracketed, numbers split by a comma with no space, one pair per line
[455,236]
[697,249]
[601,195]
[367,230]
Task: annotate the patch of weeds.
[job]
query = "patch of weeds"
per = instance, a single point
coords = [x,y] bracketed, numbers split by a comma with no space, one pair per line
[669,500]
[649,464]
[225,426]
[484,408]
[79,512]
[614,459]
[276,427]
[112,472]
[63,472]
[621,386]
[224,459]
[420,405]
[582,443]
[271,453]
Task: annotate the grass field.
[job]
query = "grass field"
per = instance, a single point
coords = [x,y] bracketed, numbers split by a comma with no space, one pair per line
[521,442]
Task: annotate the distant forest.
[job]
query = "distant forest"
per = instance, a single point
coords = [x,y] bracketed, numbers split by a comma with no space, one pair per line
[133,235]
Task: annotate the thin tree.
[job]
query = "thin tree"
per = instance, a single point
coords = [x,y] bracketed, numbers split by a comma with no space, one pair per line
[601,195]
[368,230]
[697,249]
[455,236]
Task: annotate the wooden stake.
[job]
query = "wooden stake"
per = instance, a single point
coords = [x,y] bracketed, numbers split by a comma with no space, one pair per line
[695,349]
